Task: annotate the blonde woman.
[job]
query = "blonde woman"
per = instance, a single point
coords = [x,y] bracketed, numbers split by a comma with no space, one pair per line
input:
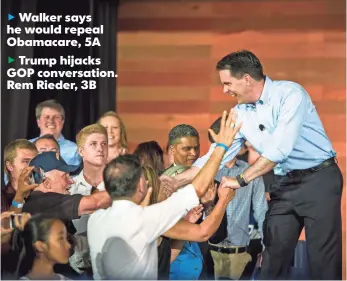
[117,137]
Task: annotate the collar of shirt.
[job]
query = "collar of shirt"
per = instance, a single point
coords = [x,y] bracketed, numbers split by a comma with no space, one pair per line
[61,138]
[81,186]
[124,205]
[264,98]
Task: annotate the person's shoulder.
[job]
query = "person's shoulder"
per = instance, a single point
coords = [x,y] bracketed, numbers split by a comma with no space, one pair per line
[286,87]
[34,195]
[69,143]
[34,139]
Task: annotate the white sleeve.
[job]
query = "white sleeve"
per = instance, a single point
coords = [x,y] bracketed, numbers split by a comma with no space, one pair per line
[160,217]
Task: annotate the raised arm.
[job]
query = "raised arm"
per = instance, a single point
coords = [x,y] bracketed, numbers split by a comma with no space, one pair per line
[188,176]
[185,230]
[223,141]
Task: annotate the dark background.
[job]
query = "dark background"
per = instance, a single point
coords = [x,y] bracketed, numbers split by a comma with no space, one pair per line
[82,107]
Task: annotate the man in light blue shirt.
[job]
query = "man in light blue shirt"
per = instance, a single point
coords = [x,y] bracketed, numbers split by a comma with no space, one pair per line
[280,121]
[50,117]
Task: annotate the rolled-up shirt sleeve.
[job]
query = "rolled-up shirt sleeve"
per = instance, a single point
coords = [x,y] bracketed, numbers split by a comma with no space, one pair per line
[290,120]
[229,155]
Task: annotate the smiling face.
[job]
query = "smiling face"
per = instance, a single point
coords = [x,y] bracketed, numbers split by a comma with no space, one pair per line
[59,181]
[112,126]
[237,88]
[94,150]
[50,122]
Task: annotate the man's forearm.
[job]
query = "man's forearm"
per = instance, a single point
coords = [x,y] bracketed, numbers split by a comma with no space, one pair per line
[214,219]
[103,199]
[91,203]
[259,168]
[205,176]
[187,176]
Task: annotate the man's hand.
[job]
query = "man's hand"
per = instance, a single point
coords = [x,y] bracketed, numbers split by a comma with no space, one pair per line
[20,220]
[23,181]
[147,199]
[210,194]
[229,182]
[268,196]
[170,183]
[24,187]
[194,214]
[6,232]
[165,191]
[226,194]
[228,129]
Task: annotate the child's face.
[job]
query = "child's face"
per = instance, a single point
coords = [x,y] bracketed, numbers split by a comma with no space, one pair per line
[58,245]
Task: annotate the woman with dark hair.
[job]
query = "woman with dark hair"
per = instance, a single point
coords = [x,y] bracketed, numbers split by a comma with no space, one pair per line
[42,244]
[151,154]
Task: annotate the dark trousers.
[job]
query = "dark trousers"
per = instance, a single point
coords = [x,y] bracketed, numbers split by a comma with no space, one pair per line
[313,201]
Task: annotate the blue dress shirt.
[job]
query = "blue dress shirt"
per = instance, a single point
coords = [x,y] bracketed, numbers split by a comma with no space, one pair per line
[292,134]
[188,264]
[68,151]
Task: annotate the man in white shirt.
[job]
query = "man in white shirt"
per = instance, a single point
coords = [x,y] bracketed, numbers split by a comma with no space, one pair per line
[92,147]
[139,226]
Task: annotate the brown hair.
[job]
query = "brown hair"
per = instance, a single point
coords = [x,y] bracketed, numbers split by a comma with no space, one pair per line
[153,181]
[87,131]
[49,104]
[10,151]
[151,154]
[123,134]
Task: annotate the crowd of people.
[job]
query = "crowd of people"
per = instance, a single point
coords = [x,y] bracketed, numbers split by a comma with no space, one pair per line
[93,209]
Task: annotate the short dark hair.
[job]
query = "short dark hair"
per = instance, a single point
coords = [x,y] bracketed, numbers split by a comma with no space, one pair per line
[122,175]
[181,131]
[240,63]
[48,137]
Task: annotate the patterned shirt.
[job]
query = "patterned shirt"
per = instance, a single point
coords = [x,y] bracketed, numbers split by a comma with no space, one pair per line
[239,208]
